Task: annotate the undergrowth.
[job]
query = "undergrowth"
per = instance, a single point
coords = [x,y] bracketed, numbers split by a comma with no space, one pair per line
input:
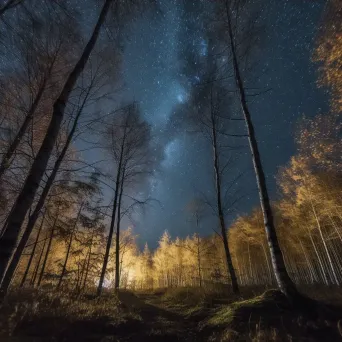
[269,317]
[37,312]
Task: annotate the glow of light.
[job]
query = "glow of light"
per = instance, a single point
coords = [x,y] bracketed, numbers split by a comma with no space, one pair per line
[130,276]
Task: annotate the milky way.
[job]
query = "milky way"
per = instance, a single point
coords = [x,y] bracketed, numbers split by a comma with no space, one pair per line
[157,74]
[153,62]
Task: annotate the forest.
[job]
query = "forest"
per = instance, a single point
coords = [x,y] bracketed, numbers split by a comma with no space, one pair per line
[99,241]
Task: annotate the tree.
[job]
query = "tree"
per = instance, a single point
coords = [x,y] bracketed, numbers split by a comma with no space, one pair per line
[319,142]
[88,94]
[43,54]
[329,53]
[36,172]
[232,12]
[33,250]
[213,123]
[128,138]
[26,196]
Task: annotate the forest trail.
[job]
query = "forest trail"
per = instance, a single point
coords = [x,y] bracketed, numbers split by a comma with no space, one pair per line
[157,322]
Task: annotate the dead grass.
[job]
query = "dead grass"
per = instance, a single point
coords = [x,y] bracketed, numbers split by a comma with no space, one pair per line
[208,314]
[269,317]
[37,313]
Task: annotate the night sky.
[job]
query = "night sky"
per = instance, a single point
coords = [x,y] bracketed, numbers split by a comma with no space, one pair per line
[153,59]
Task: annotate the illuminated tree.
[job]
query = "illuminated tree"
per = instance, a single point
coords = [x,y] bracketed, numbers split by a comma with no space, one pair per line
[329,53]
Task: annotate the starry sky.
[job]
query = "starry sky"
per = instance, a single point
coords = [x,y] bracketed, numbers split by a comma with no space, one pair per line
[154,59]
[154,77]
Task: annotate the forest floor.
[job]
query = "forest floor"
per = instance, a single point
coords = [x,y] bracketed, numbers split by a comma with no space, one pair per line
[180,314]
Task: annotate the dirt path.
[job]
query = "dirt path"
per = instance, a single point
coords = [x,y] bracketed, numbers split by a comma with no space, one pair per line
[158,323]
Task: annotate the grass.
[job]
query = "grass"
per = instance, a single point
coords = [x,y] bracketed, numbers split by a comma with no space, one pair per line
[240,310]
[38,313]
[207,314]
[266,316]
[270,317]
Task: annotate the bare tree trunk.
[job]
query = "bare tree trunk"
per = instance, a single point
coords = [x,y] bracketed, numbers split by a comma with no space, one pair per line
[73,232]
[228,258]
[199,263]
[41,275]
[78,287]
[320,261]
[117,244]
[285,284]
[87,267]
[109,242]
[24,201]
[36,269]
[335,226]
[330,262]
[33,218]
[268,263]
[312,272]
[33,252]
[115,204]
[249,261]
[111,231]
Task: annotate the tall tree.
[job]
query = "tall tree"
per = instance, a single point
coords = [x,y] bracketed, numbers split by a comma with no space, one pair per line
[87,95]
[33,251]
[232,14]
[42,57]
[36,172]
[128,138]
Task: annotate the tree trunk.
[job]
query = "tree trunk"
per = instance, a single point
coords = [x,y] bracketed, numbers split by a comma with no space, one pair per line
[285,284]
[41,201]
[33,252]
[73,232]
[268,263]
[36,269]
[117,244]
[312,271]
[111,228]
[228,258]
[87,267]
[41,275]
[24,201]
[78,287]
[110,236]
[330,262]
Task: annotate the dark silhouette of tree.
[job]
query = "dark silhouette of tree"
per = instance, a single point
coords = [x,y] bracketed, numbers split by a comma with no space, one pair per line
[128,138]
[26,196]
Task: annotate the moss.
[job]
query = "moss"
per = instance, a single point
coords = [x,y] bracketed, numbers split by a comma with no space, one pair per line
[271,302]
